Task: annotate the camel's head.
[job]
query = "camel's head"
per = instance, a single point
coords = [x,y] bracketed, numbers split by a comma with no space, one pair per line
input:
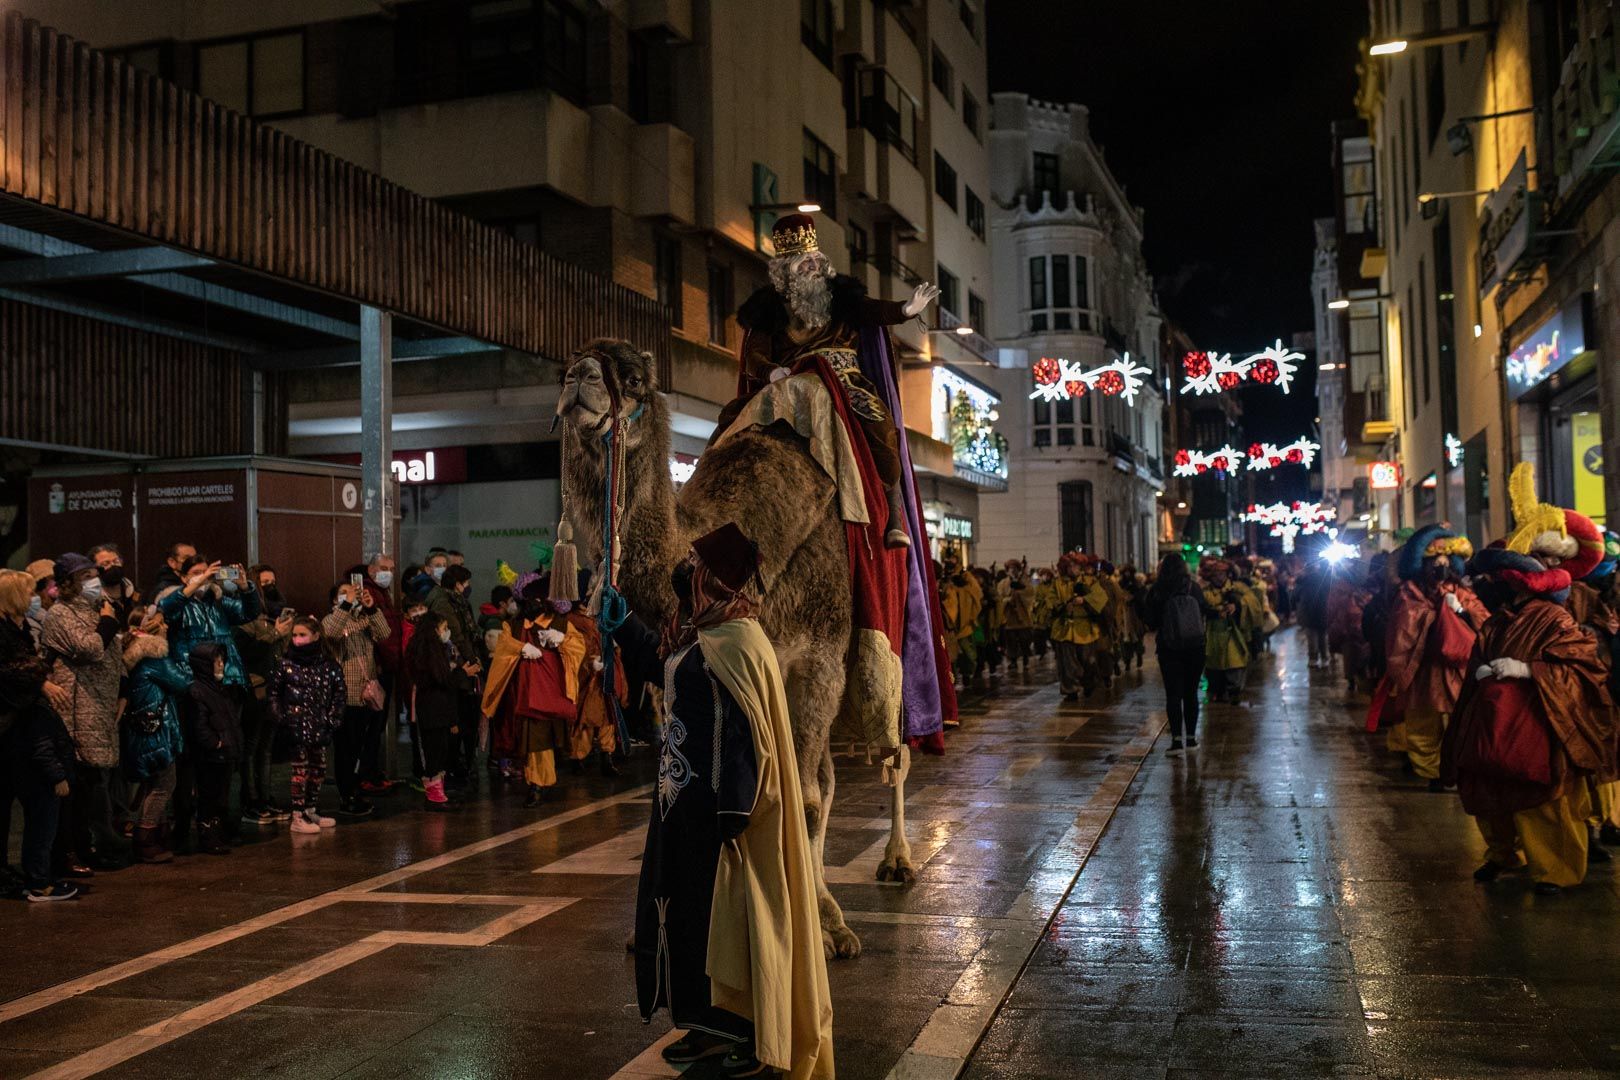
[605,376]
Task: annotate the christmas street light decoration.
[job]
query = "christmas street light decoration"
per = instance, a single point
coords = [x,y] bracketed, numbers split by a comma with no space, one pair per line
[1210,373]
[1056,379]
[1194,462]
[1289,520]
[1268,455]
[1454,450]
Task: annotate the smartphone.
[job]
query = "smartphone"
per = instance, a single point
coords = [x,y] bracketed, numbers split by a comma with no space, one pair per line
[229,573]
[357,581]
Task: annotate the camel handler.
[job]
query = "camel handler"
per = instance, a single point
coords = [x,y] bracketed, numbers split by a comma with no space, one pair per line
[727,933]
[809,311]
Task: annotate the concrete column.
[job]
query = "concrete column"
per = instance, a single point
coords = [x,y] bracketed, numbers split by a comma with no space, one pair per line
[376,432]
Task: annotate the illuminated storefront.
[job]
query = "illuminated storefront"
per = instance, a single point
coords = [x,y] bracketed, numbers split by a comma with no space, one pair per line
[1551,379]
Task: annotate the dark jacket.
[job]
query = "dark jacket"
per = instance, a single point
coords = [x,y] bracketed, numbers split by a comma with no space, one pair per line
[456,610]
[307,694]
[1158,597]
[439,687]
[36,747]
[215,729]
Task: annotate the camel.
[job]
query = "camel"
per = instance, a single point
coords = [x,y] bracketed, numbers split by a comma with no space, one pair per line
[766,482]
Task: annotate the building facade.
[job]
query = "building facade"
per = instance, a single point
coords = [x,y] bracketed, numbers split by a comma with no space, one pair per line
[1492,147]
[1087,470]
[651,144]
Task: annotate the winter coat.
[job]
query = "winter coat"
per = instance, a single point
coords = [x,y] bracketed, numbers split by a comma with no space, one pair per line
[356,632]
[36,747]
[260,645]
[307,694]
[439,693]
[15,640]
[89,669]
[456,610]
[204,617]
[391,649]
[215,730]
[158,683]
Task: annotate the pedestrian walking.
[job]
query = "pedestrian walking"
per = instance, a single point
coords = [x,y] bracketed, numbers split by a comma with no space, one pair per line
[307,696]
[1174,609]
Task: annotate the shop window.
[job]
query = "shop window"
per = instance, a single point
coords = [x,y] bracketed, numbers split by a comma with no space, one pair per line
[970,112]
[820,174]
[259,76]
[667,273]
[816,29]
[950,291]
[720,302]
[944,180]
[944,77]
[974,211]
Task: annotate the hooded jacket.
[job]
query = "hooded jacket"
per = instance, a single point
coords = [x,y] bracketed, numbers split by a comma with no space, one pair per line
[306,693]
[158,682]
[89,668]
[215,730]
[205,617]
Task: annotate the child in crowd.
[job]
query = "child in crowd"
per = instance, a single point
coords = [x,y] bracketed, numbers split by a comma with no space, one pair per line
[307,696]
[37,752]
[215,740]
[151,731]
[439,678]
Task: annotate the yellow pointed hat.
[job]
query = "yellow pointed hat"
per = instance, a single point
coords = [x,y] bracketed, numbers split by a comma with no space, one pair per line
[1548,530]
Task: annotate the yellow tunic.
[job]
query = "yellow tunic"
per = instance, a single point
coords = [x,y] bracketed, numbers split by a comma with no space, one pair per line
[1078,608]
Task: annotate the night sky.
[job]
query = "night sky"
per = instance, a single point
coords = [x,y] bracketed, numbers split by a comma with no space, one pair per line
[1216,118]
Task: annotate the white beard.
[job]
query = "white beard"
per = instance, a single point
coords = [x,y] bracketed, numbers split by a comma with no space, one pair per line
[808,296]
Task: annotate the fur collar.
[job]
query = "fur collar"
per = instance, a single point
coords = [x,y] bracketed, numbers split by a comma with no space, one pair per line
[766,311]
[144,647]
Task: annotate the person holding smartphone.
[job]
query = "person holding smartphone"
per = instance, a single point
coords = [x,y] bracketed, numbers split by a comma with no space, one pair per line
[353,628]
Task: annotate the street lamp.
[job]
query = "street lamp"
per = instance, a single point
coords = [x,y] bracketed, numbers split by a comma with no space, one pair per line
[1339,303]
[778,207]
[1429,38]
[959,331]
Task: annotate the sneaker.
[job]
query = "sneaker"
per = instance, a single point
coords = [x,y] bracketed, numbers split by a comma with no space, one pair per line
[320,819]
[355,807]
[60,890]
[257,815]
[378,787]
[277,810]
[302,823]
[695,1046]
[1174,749]
[1192,743]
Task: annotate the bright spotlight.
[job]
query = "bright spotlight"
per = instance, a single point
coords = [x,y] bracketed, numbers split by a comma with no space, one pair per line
[1338,551]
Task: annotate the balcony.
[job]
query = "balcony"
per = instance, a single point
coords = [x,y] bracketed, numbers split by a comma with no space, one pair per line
[982,480]
[975,343]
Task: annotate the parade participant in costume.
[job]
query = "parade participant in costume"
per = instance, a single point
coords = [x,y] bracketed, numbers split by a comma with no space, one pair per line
[961,600]
[1018,616]
[1134,626]
[1079,614]
[1119,618]
[1532,723]
[1594,602]
[1231,615]
[987,628]
[1432,623]
[1045,605]
[727,936]
[809,312]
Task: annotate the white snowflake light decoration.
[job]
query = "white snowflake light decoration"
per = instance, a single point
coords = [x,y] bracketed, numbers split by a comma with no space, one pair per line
[1210,373]
[1193,462]
[1289,520]
[1268,455]
[1454,450]
[1059,379]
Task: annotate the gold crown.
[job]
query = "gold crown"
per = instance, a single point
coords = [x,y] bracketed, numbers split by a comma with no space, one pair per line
[795,240]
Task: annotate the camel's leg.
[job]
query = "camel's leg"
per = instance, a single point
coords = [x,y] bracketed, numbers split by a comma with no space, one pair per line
[896,864]
[814,711]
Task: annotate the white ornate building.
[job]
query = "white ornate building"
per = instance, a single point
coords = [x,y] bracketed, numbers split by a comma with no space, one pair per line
[1071,284]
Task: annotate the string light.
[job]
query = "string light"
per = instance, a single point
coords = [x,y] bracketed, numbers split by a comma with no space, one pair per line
[1211,373]
[1056,379]
[1261,455]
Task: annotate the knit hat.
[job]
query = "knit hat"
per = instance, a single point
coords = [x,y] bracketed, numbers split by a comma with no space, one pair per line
[729,555]
[42,570]
[1522,571]
[71,563]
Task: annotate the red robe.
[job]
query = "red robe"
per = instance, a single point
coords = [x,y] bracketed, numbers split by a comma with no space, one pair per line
[1418,677]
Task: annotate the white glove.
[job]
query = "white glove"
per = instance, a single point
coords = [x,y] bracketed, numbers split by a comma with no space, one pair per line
[530,652]
[1453,603]
[780,373]
[551,638]
[596,665]
[1509,668]
[1484,672]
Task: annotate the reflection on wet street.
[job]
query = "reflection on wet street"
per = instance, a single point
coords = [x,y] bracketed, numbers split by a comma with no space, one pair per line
[1281,902]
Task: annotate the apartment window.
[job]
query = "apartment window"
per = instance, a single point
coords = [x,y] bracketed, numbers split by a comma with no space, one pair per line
[820,174]
[1037,294]
[640,80]
[944,180]
[667,273]
[816,28]
[1062,317]
[889,112]
[975,212]
[1047,174]
[944,77]
[1412,100]
[1082,284]
[446,51]
[1423,325]
[259,76]
[720,302]
[950,290]
[1434,75]
[969,14]
[970,112]
[1074,515]
[977,317]
[859,245]
[1359,198]
[155,59]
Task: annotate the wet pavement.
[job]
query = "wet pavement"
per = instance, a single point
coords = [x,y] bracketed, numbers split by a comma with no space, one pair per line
[1282,903]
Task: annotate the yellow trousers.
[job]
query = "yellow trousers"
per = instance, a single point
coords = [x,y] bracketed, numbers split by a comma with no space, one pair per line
[540,768]
[1424,730]
[1395,737]
[1553,836]
[1605,803]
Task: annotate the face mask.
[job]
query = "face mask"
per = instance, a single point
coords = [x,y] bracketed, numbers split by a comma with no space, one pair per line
[112,577]
[91,589]
[1493,594]
[444,636]
[271,593]
[437,573]
[384,578]
[229,586]
[36,607]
